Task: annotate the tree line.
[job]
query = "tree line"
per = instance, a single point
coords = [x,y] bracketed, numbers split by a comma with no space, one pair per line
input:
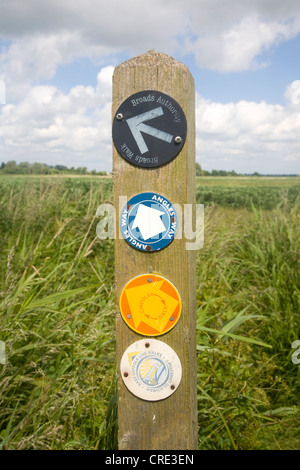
[26,168]
[200,172]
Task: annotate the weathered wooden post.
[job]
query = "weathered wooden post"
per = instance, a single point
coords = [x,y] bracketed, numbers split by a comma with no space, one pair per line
[164,91]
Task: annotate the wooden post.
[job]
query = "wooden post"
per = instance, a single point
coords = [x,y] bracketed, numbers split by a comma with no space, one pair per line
[168,424]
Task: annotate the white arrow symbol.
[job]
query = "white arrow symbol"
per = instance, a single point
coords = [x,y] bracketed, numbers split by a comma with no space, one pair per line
[136,126]
[148,221]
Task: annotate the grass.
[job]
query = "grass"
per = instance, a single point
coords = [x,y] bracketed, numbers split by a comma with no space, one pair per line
[58,327]
[261,193]
[249,283]
[57,314]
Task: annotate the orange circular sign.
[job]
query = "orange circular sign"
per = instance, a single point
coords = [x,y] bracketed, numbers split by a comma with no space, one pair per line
[150,304]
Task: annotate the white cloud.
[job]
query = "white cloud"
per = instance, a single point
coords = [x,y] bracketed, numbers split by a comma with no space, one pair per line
[53,127]
[226,36]
[33,58]
[238,48]
[42,123]
[251,136]
[112,26]
[292,93]
[75,129]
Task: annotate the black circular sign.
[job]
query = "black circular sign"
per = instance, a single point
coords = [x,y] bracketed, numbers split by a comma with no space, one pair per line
[149,129]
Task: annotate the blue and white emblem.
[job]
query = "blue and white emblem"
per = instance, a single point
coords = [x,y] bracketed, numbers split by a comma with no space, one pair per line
[148,222]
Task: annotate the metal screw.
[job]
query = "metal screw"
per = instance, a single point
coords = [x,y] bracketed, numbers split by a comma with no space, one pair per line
[178,140]
[149,280]
[128,316]
[119,116]
[172,318]
[147,345]
[149,248]
[172,387]
[126,374]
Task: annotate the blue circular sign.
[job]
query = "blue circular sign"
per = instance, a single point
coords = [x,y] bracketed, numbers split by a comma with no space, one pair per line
[148,222]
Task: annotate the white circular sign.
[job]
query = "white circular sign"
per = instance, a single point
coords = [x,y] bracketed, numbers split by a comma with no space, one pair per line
[151,369]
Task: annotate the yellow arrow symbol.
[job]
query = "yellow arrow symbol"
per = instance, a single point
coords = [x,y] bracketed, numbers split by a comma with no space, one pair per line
[151,305]
[132,355]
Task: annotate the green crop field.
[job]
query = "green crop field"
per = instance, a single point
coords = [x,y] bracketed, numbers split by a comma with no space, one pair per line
[57,314]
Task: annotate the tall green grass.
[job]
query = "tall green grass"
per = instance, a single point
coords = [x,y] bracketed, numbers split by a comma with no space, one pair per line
[247,196]
[57,316]
[248,289]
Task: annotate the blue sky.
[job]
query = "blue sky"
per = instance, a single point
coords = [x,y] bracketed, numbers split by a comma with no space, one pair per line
[57,60]
[267,83]
[264,84]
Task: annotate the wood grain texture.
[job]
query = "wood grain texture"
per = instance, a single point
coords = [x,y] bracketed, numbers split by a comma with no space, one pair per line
[168,424]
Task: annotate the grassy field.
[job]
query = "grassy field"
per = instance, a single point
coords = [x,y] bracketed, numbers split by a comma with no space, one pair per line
[57,314]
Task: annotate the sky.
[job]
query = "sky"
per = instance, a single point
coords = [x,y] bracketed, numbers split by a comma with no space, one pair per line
[57,59]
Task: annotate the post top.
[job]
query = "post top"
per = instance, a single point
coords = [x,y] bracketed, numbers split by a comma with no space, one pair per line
[152,57]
